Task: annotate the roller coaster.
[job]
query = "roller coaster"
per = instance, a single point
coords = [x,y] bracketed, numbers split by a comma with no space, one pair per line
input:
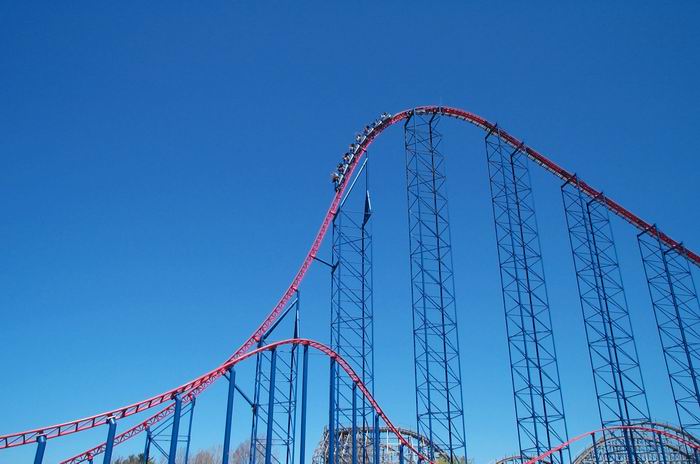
[358,430]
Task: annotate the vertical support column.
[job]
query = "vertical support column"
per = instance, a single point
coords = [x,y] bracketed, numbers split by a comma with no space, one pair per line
[331,416]
[675,302]
[175,432]
[304,386]
[283,415]
[291,388]
[353,431]
[147,447]
[189,430]
[271,407]
[438,375]
[612,350]
[401,453]
[229,415]
[256,445]
[352,334]
[534,370]
[40,448]
[109,444]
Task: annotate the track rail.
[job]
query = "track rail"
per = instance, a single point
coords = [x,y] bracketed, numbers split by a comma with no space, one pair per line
[224,367]
[639,428]
[198,385]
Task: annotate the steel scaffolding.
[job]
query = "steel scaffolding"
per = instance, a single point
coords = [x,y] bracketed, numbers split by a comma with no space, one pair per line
[438,374]
[352,333]
[675,302]
[165,437]
[273,426]
[617,376]
[535,374]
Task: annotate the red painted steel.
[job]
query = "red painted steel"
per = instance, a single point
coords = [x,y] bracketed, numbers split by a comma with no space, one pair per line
[196,386]
[224,368]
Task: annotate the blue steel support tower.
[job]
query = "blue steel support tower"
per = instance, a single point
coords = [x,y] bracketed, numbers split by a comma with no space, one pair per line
[162,440]
[611,347]
[675,302]
[274,412]
[539,407]
[352,333]
[436,344]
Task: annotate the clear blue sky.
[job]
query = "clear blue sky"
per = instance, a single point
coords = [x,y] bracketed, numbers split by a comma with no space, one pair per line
[165,165]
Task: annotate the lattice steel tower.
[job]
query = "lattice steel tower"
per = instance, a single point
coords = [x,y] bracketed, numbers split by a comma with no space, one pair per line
[439,407]
[675,302]
[273,427]
[352,334]
[613,353]
[535,374]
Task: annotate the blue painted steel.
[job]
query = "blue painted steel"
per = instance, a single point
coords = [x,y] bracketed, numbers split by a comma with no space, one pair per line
[534,370]
[292,385]
[245,397]
[40,448]
[354,424]
[675,302]
[331,416]
[162,433]
[271,407]
[255,443]
[284,408]
[352,334]
[293,305]
[175,431]
[147,447]
[439,409]
[229,415]
[401,454]
[189,431]
[304,386]
[612,350]
[109,444]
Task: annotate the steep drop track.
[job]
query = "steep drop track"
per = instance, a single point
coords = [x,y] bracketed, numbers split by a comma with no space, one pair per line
[193,388]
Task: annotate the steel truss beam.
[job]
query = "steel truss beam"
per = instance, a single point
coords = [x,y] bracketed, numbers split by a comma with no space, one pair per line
[352,333]
[438,374]
[617,376]
[535,373]
[273,428]
[675,302]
